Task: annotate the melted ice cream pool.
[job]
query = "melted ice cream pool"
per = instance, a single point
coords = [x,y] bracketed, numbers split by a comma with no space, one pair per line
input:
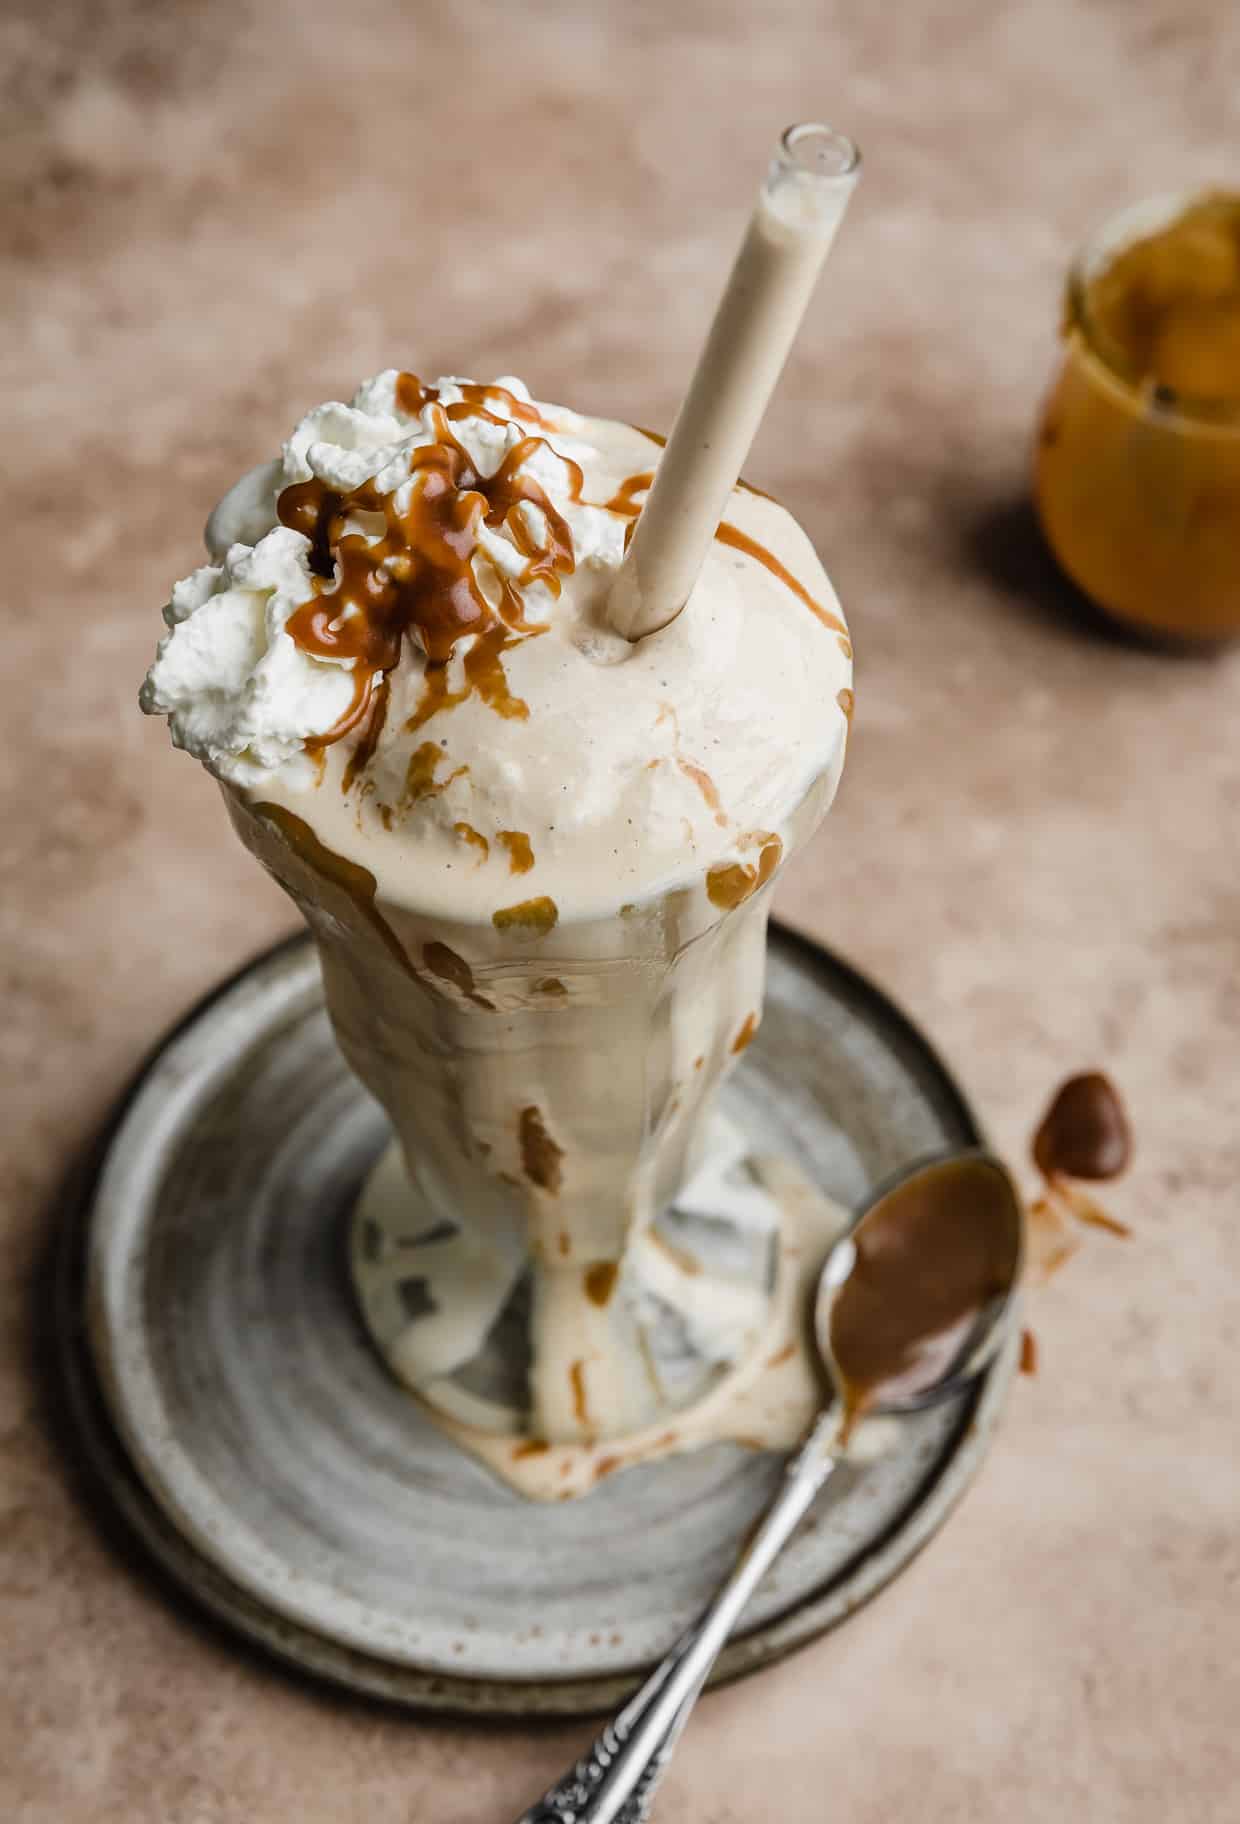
[768,1402]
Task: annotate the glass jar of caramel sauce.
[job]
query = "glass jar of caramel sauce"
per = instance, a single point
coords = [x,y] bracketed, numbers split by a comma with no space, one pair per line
[1137,469]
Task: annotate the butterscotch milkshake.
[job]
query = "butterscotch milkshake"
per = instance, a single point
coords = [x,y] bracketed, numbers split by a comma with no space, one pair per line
[536,856]
[527,752]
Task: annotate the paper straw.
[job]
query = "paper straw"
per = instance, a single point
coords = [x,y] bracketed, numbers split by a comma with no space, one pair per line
[800,207]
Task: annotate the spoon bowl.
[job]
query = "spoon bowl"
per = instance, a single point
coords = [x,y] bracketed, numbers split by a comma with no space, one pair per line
[913,1301]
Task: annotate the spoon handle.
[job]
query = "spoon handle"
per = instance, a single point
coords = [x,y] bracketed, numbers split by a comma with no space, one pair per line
[615,1781]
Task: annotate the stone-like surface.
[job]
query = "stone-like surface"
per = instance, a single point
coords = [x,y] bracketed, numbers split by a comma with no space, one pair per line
[214,216]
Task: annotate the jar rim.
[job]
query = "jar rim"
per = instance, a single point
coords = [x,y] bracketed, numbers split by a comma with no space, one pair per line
[1115,235]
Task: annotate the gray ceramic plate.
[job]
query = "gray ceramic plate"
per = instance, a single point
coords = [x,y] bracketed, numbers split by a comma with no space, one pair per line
[253,1440]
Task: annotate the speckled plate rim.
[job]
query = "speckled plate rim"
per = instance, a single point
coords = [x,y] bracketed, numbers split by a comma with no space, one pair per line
[112,1476]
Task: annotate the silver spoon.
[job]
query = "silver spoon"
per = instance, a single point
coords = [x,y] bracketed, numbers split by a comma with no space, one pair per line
[896,1335]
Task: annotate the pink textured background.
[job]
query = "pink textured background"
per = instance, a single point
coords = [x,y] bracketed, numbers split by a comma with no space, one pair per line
[215,215]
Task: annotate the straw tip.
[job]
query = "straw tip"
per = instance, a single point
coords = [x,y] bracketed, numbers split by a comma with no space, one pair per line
[810,180]
[815,150]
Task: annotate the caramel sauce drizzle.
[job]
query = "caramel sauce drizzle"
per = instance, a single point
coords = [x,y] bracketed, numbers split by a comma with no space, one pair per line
[484,677]
[622,501]
[474,838]
[741,541]
[450,967]
[368,740]
[411,573]
[680,1257]
[420,780]
[577,1380]
[542,1158]
[731,883]
[746,1034]
[536,916]
[600,1281]
[412,396]
[358,882]
[706,785]
[520,854]
[691,770]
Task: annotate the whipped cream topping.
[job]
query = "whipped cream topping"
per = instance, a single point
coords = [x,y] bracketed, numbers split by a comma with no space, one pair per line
[246,696]
[401,640]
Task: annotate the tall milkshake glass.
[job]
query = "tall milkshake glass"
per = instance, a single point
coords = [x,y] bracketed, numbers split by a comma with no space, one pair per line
[537,787]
